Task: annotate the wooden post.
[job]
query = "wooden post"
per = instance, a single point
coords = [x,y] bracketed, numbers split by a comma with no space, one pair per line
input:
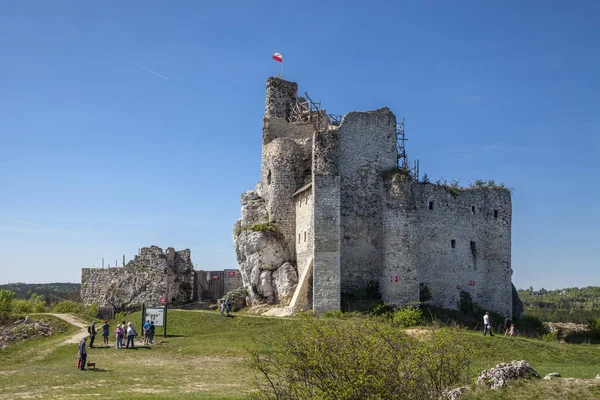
[143,316]
[165,323]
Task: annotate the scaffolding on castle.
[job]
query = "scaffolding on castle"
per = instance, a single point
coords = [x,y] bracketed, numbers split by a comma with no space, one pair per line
[403,161]
[305,110]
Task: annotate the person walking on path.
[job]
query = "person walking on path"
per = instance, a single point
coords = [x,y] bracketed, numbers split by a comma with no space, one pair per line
[511,332]
[131,333]
[228,305]
[152,330]
[119,333]
[92,332]
[146,328]
[105,329]
[222,308]
[486,324]
[507,324]
[82,354]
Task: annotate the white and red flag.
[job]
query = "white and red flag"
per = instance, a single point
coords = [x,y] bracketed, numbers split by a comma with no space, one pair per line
[278,57]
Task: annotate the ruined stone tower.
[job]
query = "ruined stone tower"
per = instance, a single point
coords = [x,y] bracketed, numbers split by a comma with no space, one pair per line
[332,213]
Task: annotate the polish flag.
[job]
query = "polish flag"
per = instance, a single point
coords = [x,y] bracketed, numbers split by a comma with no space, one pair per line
[278,57]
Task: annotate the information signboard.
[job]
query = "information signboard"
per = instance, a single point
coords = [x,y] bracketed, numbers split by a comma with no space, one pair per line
[157,315]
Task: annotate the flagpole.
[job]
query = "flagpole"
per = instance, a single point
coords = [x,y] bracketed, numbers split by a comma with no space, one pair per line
[281,70]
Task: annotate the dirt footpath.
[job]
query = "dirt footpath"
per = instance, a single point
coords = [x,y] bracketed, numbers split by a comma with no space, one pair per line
[73,320]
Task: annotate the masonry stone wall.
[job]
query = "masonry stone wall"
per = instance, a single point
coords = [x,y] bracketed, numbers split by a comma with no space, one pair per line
[304,227]
[232,280]
[152,274]
[367,149]
[281,95]
[282,176]
[448,243]
[327,276]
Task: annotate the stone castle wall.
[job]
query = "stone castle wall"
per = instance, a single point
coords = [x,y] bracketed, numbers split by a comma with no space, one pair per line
[152,274]
[367,148]
[447,244]
[304,227]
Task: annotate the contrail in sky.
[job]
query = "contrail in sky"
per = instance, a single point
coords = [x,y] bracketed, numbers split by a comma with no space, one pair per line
[152,72]
[27,223]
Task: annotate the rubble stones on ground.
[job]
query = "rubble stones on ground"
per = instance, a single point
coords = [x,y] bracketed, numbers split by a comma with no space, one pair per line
[503,373]
[552,375]
[455,393]
[24,329]
[598,376]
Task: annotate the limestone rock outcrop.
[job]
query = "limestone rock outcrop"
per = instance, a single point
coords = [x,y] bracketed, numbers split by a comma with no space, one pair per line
[503,373]
[261,255]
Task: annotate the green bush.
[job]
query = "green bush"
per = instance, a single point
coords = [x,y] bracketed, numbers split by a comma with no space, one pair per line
[384,309]
[20,306]
[358,359]
[263,227]
[67,306]
[550,337]
[39,306]
[408,316]
[6,299]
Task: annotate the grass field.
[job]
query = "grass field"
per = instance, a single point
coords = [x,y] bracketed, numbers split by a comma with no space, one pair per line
[203,357]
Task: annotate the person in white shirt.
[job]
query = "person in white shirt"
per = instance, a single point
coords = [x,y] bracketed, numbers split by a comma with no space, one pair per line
[486,324]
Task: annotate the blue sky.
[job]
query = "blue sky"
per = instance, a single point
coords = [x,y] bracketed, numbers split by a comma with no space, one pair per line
[100,156]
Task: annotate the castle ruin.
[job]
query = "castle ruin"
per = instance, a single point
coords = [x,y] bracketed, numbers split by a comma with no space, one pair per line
[333,213]
[154,274]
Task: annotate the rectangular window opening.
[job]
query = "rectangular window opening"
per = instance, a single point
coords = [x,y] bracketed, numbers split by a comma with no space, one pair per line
[473,210]
[305,236]
[298,238]
[473,248]
[495,213]
[453,243]
[431,205]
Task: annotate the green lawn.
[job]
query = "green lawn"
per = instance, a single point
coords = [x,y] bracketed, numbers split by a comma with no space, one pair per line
[203,357]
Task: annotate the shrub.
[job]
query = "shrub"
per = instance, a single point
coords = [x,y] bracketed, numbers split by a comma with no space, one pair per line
[550,337]
[263,227]
[67,306]
[6,299]
[358,359]
[408,316]
[384,309]
[39,306]
[20,306]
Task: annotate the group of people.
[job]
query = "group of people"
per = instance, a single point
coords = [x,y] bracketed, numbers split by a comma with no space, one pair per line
[509,327]
[225,306]
[120,333]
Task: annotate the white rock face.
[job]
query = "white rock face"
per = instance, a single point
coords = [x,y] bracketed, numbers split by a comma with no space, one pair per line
[498,377]
[284,282]
[266,275]
[264,287]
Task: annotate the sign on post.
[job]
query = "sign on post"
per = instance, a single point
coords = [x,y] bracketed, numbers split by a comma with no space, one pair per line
[157,315]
